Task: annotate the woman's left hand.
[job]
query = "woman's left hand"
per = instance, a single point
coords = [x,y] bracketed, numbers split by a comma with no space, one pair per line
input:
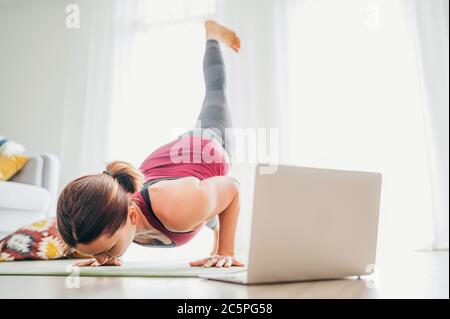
[217,261]
[97,262]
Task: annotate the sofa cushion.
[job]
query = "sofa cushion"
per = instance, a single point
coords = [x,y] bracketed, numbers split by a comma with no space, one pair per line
[9,166]
[17,196]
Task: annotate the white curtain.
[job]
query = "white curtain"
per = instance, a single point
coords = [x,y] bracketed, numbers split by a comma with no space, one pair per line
[430,30]
[117,86]
[339,81]
[133,64]
[257,77]
[164,77]
[257,87]
[343,93]
[97,61]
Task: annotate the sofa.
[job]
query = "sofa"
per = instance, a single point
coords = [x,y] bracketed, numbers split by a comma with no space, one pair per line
[30,195]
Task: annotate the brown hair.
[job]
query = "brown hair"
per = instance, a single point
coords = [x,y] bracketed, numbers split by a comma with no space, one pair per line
[94,204]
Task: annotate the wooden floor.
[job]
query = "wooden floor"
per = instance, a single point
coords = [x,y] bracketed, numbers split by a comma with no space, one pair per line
[412,275]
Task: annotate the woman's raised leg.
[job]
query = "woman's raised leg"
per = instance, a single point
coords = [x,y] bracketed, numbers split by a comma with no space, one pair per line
[215,114]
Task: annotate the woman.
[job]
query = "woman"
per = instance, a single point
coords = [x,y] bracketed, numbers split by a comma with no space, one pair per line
[100,215]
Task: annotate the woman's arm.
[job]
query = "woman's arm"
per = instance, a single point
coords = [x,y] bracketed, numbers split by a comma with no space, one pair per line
[185,204]
[228,222]
[227,231]
[228,219]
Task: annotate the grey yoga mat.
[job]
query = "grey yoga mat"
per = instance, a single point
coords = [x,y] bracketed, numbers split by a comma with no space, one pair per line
[179,268]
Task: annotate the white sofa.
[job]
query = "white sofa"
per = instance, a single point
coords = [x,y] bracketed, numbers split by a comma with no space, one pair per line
[30,195]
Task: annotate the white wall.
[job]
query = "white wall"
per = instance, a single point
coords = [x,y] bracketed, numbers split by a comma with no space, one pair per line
[44,84]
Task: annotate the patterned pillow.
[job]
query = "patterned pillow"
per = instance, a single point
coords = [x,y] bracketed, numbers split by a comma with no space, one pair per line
[40,240]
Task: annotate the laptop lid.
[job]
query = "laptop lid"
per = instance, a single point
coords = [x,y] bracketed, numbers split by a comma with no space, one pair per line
[312,223]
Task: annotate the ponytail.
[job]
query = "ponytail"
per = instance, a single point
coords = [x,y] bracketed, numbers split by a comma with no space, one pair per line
[126,175]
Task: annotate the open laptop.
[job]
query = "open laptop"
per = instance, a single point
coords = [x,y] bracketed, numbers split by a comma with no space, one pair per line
[311,224]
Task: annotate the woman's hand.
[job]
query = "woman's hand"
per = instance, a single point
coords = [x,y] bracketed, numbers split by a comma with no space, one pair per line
[218,261]
[104,261]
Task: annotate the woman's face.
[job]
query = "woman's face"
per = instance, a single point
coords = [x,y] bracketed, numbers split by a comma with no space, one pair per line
[113,245]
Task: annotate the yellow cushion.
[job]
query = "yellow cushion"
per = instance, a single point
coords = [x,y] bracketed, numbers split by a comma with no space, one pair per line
[10,165]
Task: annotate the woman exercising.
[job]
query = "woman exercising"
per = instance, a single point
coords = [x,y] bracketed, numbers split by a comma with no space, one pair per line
[102,214]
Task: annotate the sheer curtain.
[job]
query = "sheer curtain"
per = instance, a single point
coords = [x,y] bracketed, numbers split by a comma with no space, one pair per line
[339,80]
[97,60]
[135,79]
[257,85]
[430,31]
[162,89]
[159,93]
[135,73]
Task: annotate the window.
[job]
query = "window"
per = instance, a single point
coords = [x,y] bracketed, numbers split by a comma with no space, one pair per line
[355,105]
[164,87]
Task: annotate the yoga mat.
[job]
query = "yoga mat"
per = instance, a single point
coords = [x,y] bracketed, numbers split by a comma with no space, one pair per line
[179,268]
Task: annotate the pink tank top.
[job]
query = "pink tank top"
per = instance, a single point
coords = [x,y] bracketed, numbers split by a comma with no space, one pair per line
[188,156]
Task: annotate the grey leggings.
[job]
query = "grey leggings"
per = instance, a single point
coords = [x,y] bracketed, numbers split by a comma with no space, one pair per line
[215,113]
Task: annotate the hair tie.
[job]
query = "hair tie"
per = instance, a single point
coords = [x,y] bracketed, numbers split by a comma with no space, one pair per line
[107,173]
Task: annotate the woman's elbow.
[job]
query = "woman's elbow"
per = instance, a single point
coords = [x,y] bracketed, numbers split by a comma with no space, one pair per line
[235,185]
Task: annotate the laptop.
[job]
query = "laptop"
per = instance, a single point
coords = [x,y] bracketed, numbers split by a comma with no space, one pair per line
[311,224]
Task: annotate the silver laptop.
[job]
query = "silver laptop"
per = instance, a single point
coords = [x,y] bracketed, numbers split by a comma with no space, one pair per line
[311,224]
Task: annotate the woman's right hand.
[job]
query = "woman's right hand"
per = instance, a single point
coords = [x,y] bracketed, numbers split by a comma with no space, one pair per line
[217,261]
[103,261]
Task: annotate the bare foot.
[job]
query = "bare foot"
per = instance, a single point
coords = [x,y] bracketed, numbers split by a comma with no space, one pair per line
[222,34]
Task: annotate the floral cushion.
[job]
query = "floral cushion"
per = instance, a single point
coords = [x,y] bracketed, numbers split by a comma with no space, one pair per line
[40,240]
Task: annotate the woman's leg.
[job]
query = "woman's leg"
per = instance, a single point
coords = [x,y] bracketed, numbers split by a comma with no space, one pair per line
[215,114]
